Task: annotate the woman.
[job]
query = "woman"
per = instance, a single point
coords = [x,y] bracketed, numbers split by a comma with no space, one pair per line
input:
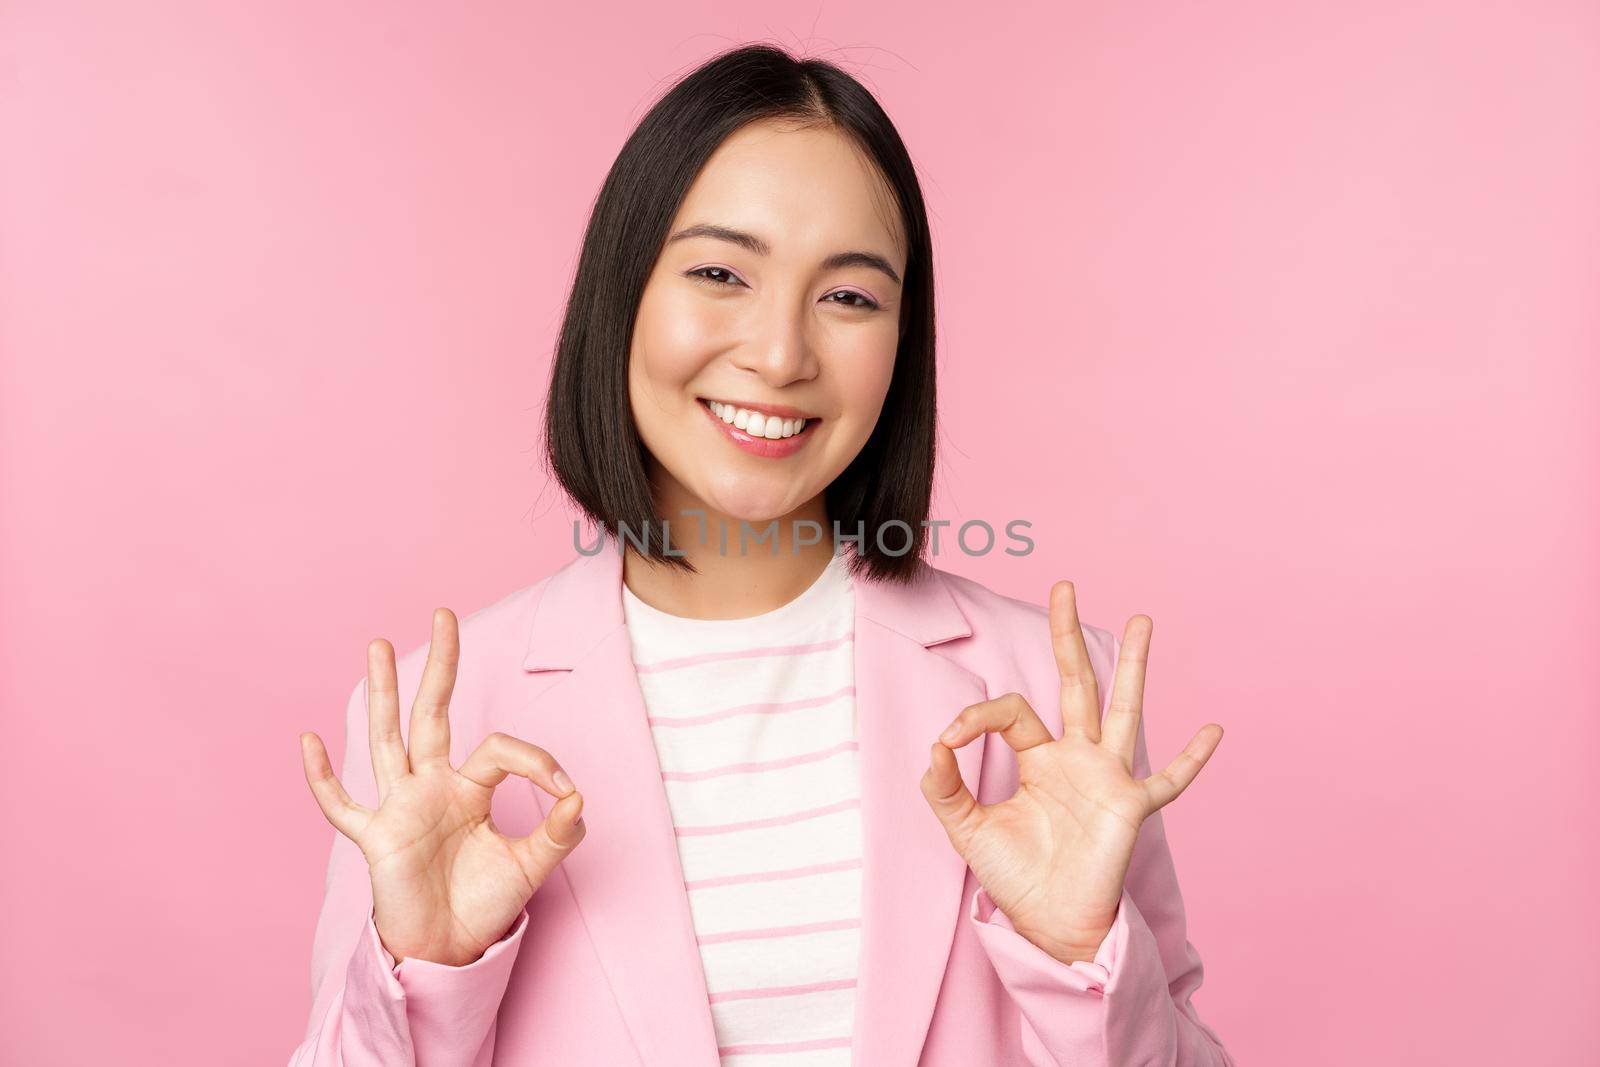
[745,724]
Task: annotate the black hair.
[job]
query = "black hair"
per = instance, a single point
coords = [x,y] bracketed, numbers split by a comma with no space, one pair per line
[592,445]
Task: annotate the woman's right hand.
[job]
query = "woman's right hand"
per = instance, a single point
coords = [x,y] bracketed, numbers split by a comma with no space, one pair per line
[446,885]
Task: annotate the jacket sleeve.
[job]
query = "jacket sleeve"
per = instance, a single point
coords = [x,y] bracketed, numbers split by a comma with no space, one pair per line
[366,1010]
[1129,1006]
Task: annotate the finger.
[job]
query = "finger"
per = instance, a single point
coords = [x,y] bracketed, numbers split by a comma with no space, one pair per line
[1120,730]
[389,761]
[348,817]
[1164,788]
[947,794]
[553,839]
[500,755]
[1011,716]
[430,712]
[1080,696]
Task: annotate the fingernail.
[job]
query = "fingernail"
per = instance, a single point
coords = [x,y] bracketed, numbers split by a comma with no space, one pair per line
[563,783]
[950,731]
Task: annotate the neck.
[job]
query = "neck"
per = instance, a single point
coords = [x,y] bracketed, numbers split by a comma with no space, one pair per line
[732,582]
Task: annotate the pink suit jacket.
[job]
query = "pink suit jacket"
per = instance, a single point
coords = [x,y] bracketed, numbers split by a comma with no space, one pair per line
[602,966]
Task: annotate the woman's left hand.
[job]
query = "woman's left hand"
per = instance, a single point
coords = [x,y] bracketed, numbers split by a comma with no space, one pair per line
[1053,855]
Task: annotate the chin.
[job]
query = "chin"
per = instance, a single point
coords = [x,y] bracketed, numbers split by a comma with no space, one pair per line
[755,502]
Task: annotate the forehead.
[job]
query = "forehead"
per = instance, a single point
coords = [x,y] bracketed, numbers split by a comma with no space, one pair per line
[804,189]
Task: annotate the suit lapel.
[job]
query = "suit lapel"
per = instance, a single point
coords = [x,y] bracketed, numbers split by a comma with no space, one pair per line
[912,877]
[626,877]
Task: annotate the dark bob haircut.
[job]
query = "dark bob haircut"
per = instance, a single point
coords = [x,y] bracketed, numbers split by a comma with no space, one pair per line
[592,445]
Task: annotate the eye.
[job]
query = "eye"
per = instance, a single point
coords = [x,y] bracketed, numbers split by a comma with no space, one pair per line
[865,300]
[704,274]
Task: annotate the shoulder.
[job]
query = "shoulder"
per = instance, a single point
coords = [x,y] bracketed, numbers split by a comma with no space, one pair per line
[1009,631]
[491,684]
[489,628]
[493,640]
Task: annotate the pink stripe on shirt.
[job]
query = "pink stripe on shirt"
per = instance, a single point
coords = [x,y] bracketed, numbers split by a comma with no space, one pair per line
[785,1046]
[757,766]
[770,708]
[777,820]
[783,991]
[739,653]
[779,931]
[776,875]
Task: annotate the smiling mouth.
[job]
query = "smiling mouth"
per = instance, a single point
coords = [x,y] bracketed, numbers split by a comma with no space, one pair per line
[781,435]
[771,423]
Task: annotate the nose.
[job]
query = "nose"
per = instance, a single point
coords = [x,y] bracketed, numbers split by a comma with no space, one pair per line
[780,350]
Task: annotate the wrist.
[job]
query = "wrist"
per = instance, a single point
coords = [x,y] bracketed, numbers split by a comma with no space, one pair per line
[1068,952]
[1068,943]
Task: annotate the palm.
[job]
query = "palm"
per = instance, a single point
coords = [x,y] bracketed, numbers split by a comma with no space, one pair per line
[1055,847]
[443,880]
[1053,856]
[445,883]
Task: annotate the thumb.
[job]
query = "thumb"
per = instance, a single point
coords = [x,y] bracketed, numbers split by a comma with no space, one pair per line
[948,795]
[554,838]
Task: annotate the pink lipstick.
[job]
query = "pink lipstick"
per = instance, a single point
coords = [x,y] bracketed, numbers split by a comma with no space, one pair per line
[768,447]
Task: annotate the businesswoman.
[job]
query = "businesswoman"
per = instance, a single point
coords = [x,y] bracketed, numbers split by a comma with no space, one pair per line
[794,795]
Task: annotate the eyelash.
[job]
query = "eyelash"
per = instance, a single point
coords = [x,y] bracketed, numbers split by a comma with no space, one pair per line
[868,303]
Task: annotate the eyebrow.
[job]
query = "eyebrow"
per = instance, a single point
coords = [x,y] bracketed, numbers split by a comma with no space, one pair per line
[755,244]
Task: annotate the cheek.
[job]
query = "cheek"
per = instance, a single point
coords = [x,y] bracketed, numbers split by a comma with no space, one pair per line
[673,338]
[866,367]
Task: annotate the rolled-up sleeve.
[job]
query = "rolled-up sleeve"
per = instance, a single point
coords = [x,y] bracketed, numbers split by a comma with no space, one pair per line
[1113,1011]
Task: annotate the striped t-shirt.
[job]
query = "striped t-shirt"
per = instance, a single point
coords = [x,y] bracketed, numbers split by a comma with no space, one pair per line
[754,723]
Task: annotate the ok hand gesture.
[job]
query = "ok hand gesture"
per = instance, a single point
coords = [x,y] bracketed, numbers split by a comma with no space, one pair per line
[446,885]
[1054,854]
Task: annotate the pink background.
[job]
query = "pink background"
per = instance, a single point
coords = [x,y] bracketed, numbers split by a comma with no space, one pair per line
[1281,326]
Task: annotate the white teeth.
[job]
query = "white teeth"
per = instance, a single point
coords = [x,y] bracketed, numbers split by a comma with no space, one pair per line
[755,423]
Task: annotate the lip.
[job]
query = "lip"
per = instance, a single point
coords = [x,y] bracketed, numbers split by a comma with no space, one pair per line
[783,411]
[767,448]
